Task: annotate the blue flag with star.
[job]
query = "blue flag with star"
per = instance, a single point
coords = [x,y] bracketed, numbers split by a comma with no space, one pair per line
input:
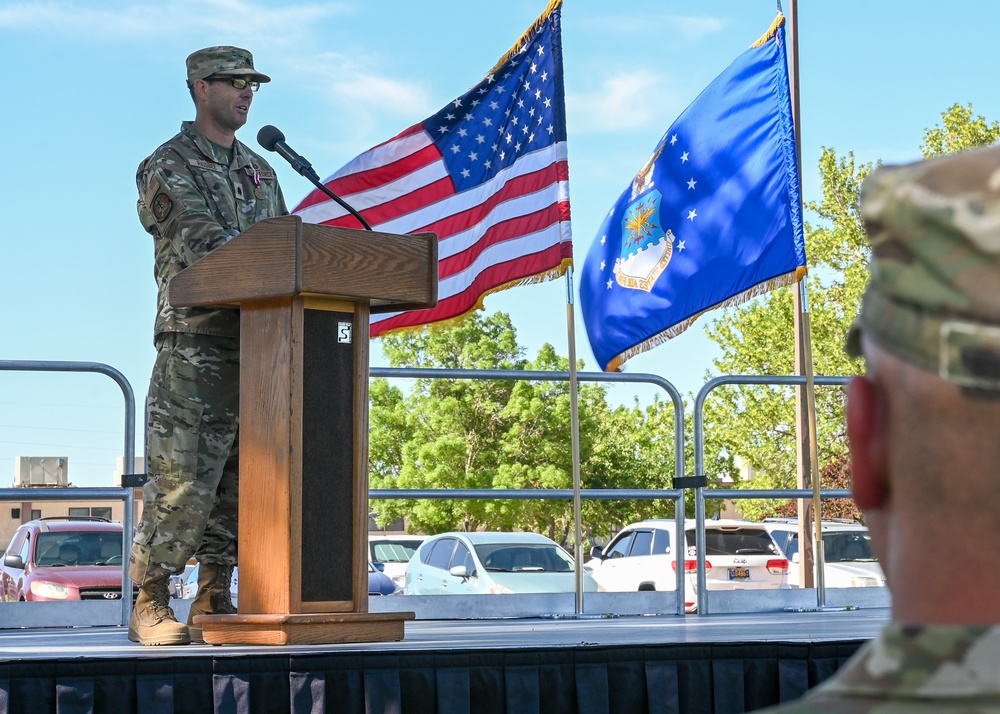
[713,218]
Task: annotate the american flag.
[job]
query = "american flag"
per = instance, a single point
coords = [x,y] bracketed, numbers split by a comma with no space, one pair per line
[488,174]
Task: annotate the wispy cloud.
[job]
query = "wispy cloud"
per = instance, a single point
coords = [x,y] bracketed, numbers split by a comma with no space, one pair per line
[625,100]
[694,28]
[641,91]
[355,83]
[632,25]
[116,21]
[287,40]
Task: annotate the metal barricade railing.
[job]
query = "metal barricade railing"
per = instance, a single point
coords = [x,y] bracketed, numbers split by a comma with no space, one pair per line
[699,465]
[552,494]
[701,492]
[677,495]
[90,494]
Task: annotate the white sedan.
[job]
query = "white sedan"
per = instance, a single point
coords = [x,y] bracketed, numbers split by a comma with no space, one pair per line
[491,563]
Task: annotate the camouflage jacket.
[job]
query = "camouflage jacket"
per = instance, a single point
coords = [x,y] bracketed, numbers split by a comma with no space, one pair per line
[931,668]
[193,198]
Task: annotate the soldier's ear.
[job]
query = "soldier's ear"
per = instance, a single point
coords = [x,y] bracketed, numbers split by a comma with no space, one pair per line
[199,90]
[867,431]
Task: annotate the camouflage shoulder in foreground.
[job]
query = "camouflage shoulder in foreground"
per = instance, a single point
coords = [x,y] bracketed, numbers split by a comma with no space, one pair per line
[932,668]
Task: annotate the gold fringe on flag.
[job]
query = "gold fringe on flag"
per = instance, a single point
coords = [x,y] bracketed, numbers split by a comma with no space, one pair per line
[760,289]
[771,31]
[553,6]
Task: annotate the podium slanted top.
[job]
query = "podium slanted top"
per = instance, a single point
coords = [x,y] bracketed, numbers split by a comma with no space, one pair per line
[285,257]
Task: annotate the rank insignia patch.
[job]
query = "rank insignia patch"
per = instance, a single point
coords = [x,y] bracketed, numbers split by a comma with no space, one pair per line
[162,206]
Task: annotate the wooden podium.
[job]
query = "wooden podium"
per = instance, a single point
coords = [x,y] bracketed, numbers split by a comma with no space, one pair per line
[305,294]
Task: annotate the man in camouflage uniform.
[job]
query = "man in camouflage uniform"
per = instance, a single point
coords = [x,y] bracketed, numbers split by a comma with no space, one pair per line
[923,431]
[196,191]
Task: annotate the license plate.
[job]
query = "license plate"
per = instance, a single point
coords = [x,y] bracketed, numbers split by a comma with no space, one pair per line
[739,573]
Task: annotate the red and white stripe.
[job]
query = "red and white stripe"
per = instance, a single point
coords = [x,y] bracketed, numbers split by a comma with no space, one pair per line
[513,226]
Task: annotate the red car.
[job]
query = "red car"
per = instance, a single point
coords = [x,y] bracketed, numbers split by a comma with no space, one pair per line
[64,558]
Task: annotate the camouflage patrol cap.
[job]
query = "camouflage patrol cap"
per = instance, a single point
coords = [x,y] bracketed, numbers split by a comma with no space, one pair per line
[224,61]
[934,295]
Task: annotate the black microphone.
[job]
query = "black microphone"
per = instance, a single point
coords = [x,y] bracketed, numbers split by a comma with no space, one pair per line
[271,138]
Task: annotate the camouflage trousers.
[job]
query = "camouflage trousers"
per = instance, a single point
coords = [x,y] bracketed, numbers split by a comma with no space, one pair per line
[190,502]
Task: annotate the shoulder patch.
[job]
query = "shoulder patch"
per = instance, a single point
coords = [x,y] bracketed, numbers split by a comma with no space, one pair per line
[161,206]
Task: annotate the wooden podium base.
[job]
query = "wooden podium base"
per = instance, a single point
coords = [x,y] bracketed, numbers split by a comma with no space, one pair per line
[315,629]
[305,294]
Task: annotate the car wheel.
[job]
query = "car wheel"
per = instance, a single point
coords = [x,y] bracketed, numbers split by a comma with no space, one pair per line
[647,587]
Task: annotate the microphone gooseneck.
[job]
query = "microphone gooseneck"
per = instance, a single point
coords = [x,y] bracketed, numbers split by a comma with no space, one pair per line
[271,138]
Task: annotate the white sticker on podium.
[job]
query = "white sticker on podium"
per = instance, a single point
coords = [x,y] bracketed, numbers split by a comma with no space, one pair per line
[344,333]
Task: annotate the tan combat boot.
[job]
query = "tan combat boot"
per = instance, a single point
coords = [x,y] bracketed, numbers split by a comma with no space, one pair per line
[153,622]
[213,596]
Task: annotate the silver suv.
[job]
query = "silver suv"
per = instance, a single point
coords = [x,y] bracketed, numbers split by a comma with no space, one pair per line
[848,556]
[739,555]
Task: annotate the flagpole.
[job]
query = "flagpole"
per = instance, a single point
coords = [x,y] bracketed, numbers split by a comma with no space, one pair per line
[809,452]
[574,420]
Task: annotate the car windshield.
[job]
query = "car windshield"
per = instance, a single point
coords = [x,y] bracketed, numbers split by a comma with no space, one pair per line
[518,558]
[847,547]
[738,541]
[841,546]
[393,551]
[65,548]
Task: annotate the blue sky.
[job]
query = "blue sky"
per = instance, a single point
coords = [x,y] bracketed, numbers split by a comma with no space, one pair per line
[92,88]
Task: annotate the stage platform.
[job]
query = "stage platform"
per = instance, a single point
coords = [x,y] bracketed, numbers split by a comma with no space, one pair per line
[547,665]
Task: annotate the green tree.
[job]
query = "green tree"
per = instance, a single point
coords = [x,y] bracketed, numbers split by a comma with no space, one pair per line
[501,434]
[389,432]
[444,433]
[633,447]
[756,425]
[536,452]
[960,132]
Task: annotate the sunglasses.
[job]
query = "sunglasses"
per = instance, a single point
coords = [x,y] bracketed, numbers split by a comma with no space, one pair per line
[237,82]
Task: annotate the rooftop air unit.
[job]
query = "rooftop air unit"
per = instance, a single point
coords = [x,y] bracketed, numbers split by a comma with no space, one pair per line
[42,472]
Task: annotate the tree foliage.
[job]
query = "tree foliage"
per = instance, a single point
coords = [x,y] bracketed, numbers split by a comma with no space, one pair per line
[505,434]
[960,132]
[834,474]
[756,425]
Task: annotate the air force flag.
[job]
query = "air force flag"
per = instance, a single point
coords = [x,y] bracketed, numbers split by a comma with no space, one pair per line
[712,219]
